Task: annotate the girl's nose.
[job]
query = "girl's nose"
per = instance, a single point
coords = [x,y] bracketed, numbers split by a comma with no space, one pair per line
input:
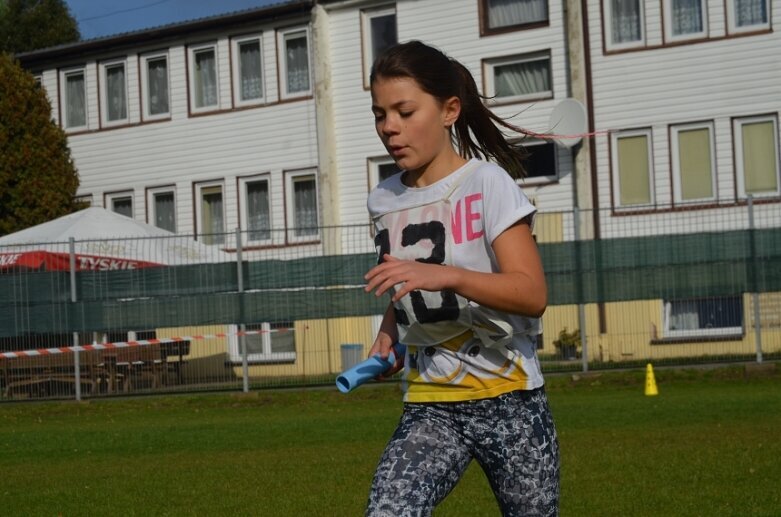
[390,126]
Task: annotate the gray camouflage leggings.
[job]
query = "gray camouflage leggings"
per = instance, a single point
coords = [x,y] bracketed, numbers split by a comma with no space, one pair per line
[511,436]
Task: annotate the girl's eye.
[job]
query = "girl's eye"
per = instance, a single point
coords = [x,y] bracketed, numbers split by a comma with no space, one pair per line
[405,114]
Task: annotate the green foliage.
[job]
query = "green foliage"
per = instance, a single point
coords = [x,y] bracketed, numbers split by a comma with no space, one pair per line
[567,340]
[38,179]
[27,25]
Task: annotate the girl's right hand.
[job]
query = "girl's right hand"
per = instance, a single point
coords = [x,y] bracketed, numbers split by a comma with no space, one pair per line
[383,344]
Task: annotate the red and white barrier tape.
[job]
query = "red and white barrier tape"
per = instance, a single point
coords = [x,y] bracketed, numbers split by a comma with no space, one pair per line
[125,344]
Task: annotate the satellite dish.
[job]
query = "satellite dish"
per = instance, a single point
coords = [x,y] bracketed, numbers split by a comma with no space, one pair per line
[568,122]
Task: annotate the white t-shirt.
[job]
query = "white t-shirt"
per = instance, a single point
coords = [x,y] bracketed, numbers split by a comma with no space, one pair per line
[474,205]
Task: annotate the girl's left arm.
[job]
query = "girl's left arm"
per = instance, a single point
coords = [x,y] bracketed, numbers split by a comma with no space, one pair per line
[518,288]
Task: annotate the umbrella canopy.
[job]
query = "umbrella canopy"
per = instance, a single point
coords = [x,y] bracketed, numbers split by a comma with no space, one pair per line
[104,241]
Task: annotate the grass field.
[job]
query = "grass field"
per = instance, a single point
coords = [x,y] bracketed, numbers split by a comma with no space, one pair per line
[708,445]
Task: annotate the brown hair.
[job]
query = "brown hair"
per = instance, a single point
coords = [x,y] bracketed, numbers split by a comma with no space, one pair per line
[475,133]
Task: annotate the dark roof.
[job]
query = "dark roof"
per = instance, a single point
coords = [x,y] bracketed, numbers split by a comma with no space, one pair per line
[165,32]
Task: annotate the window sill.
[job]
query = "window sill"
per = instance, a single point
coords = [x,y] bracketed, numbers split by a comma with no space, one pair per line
[285,359]
[677,340]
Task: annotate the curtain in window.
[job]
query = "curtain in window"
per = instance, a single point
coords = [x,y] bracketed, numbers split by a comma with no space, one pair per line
[249,71]
[760,161]
[165,211]
[258,213]
[750,12]
[383,30]
[212,223]
[686,17]
[522,78]
[122,205]
[305,203]
[634,170]
[625,16]
[116,99]
[157,85]
[205,79]
[696,169]
[297,65]
[75,107]
[504,13]
[684,315]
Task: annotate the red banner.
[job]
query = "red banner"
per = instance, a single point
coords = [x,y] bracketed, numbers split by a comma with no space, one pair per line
[53,261]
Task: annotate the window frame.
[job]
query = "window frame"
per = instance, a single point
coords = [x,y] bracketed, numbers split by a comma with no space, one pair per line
[607,29]
[144,60]
[282,37]
[191,54]
[486,30]
[539,180]
[737,138]
[675,130]
[110,197]
[703,332]
[291,177]
[373,169]
[208,238]
[244,181]
[732,27]
[489,75]
[151,194]
[236,43]
[667,9]
[103,68]
[64,73]
[267,356]
[366,36]
[615,172]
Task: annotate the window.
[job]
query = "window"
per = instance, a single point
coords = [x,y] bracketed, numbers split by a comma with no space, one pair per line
[685,19]
[162,205]
[632,168]
[293,47]
[381,169]
[113,93]
[541,162]
[210,213]
[693,159]
[121,203]
[247,71]
[503,15]
[379,33]
[519,78]
[154,78]
[273,342]
[748,15]
[301,191]
[625,24]
[256,208]
[74,97]
[756,156]
[204,90]
[700,317]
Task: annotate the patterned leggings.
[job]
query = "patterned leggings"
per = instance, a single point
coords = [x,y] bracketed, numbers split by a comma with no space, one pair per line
[511,436]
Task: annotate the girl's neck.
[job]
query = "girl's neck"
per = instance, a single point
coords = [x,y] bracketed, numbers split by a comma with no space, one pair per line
[433,171]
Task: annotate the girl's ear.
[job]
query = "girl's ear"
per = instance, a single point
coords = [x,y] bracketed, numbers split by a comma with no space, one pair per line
[451,109]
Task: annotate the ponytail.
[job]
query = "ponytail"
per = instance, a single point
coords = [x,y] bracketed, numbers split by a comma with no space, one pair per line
[475,132]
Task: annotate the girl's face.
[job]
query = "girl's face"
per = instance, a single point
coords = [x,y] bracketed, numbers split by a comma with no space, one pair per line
[412,124]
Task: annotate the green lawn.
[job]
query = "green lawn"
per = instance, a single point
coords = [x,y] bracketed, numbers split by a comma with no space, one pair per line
[708,445]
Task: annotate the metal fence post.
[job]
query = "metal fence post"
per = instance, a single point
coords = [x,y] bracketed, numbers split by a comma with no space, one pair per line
[76,352]
[242,326]
[581,306]
[754,281]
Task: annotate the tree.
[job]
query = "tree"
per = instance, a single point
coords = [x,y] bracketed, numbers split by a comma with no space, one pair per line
[32,24]
[38,179]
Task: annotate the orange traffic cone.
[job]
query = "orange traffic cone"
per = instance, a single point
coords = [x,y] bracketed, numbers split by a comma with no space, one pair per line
[650,381]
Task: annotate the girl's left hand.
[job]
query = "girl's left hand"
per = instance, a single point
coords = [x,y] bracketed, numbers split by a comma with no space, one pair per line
[411,274]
